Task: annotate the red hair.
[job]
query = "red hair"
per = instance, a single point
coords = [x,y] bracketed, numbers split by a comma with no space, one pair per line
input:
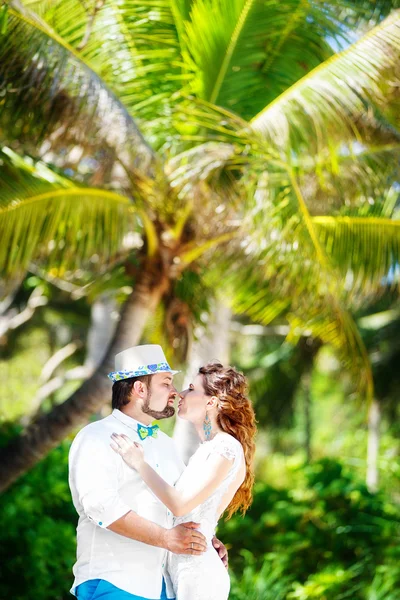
[236,417]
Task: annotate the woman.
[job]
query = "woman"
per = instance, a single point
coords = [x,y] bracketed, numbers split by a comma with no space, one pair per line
[219,476]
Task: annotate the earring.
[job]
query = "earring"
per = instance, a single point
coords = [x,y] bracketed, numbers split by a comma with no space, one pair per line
[207,427]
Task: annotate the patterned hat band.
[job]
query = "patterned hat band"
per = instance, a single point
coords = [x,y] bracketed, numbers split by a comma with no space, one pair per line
[142,370]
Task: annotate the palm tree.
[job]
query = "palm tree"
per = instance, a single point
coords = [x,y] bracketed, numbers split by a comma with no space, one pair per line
[121,147]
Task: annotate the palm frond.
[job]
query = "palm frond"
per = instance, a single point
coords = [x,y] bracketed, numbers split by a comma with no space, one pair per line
[285,272]
[301,295]
[366,250]
[51,93]
[134,47]
[333,99]
[43,214]
[355,13]
[193,251]
[245,52]
[361,183]
[258,306]
[188,168]
[340,332]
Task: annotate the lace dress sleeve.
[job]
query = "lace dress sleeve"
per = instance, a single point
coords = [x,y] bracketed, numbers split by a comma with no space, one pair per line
[227,446]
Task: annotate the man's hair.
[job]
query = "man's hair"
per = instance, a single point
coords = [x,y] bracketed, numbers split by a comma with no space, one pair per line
[121,390]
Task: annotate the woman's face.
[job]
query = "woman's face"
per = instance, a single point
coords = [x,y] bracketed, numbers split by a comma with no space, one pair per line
[193,400]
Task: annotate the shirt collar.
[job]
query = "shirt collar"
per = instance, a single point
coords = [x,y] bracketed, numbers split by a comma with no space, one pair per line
[126,420]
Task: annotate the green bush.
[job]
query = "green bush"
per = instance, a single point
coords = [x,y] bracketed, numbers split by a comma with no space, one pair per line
[329,536]
[386,583]
[326,538]
[37,533]
[267,583]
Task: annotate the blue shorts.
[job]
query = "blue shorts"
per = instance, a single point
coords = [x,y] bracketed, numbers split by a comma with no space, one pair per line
[100,589]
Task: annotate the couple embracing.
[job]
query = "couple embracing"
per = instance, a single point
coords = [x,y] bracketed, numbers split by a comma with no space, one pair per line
[147,522]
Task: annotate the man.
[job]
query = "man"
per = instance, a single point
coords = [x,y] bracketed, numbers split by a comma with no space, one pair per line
[124,532]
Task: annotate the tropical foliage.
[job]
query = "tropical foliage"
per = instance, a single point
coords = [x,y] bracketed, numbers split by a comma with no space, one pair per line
[319,528]
[178,138]
[324,536]
[165,153]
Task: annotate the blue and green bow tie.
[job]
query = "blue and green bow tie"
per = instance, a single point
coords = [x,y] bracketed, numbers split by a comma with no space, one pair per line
[144,432]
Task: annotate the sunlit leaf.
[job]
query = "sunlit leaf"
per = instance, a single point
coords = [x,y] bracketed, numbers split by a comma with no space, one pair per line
[44,215]
[334,98]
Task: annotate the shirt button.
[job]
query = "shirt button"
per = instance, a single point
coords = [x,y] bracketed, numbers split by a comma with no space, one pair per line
[100,522]
[168,513]
[157,466]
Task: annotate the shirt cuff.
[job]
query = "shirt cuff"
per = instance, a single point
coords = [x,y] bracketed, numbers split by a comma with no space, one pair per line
[103,517]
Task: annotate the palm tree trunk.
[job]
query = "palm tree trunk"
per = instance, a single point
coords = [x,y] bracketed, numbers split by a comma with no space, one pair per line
[48,430]
[307,416]
[103,324]
[309,348]
[374,420]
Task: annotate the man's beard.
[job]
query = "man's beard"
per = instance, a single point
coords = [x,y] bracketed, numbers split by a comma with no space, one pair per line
[168,411]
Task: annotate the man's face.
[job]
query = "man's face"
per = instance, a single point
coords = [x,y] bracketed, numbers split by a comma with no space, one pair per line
[159,403]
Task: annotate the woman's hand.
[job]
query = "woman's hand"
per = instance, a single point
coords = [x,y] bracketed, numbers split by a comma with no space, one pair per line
[131,452]
[222,551]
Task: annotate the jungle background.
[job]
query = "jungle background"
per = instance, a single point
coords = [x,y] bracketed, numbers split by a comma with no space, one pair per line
[221,177]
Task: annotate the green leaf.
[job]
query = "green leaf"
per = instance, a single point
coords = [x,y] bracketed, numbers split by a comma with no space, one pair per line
[43,215]
[332,101]
[361,183]
[365,249]
[133,46]
[245,52]
[3,19]
[193,251]
[47,89]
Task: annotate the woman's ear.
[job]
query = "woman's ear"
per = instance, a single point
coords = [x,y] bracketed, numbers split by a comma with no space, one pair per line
[212,402]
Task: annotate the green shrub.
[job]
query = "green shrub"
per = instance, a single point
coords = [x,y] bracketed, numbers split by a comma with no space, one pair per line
[37,533]
[326,538]
[386,583]
[332,537]
[269,582]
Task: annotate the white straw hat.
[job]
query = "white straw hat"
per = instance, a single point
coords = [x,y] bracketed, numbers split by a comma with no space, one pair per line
[140,360]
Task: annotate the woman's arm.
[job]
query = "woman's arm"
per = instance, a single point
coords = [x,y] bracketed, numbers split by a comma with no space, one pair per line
[182,502]
[179,502]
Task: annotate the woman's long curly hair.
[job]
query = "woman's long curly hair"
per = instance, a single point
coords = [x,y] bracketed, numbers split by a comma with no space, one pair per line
[235,416]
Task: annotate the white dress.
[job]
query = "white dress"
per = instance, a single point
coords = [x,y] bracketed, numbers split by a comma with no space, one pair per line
[204,577]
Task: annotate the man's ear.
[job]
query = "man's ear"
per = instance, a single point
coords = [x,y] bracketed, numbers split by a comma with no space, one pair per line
[140,389]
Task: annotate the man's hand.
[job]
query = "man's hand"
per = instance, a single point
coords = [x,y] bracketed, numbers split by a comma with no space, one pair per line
[184,539]
[222,551]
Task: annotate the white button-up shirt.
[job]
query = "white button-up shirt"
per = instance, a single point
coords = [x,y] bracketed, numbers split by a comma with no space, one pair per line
[104,489]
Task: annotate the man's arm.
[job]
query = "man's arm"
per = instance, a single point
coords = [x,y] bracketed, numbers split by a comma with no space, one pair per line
[183,539]
[94,482]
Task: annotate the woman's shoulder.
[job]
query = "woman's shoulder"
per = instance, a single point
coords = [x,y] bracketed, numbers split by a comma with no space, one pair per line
[227,437]
[227,445]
